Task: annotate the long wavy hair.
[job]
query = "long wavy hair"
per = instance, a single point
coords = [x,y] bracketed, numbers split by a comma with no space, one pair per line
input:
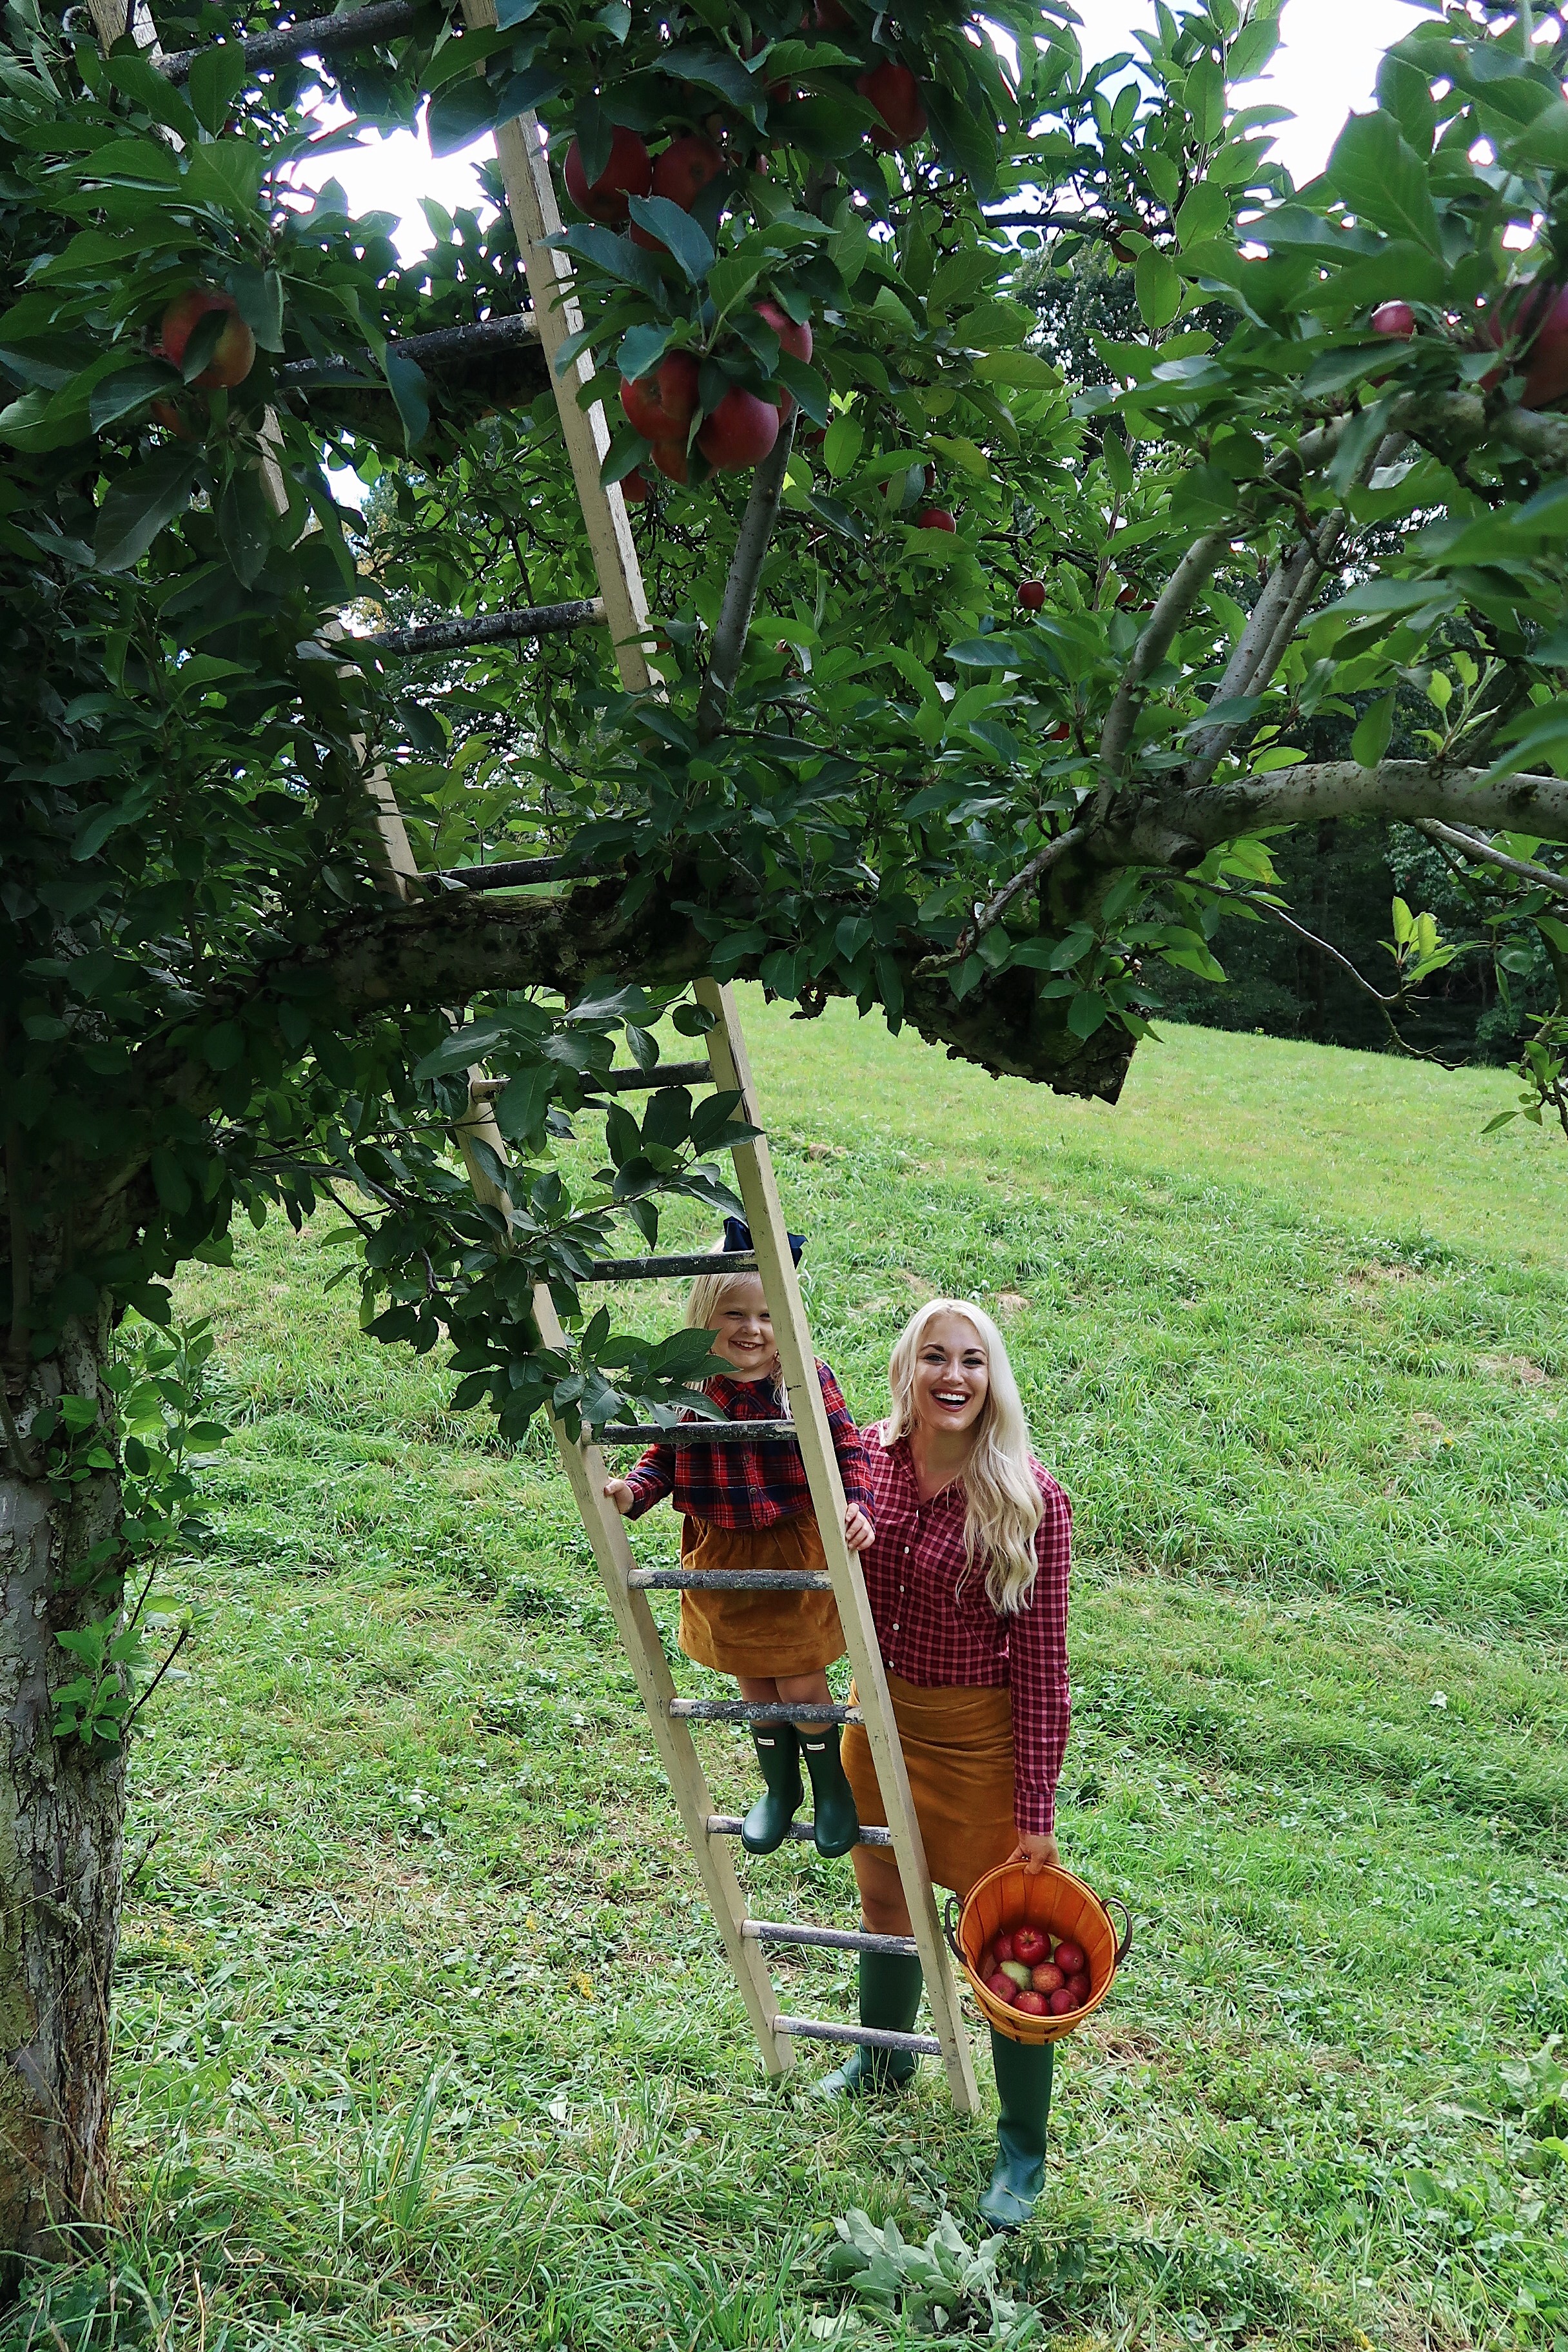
[1004,1504]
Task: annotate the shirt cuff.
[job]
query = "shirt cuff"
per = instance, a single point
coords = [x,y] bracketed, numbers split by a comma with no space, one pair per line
[1035,1811]
[645,1495]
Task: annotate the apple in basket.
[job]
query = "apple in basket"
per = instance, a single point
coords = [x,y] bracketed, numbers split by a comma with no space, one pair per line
[1071,1957]
[1030,1945]
[1079,1988]
[1017,1974]
[1046,1978]
[1032,2004]
[1062,2002]
[1003,1949]
[1001,1988]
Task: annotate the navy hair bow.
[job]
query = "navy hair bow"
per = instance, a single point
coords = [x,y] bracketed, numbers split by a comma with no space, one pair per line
[738,1237]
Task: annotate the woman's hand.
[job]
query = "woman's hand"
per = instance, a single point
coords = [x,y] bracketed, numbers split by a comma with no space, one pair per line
[621,1492]
[859,1532]
[1037,1850]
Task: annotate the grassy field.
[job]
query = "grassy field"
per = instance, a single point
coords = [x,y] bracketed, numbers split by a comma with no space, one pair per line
[423,2034]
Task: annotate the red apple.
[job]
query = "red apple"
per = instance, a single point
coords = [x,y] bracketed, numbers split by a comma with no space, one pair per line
[1546,360]
[174,420]
[1033,2004]
[1046,1978]
[635,487]
[1059,733]
[895,93]
[1080,1988]
[985,1967]
[794,339]
[1061,2002]
[1030,1946]
[1071,1957]
[662,405]
[1396,319]
[739,433]
[1004,1948]
[627,173]
[233,355]
[934,518]
[685,168]
[1002,1987]
[1032,596]
[672,459]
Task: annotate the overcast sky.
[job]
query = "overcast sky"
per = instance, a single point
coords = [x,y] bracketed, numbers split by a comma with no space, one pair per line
[1324,70]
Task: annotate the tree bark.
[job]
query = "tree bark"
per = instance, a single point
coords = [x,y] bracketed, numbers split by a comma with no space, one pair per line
[61,1822]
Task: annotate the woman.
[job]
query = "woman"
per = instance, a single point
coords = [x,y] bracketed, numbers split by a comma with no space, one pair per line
[968,1583]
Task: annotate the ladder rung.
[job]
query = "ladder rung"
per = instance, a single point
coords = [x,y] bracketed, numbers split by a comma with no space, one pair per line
[729,1579]
[731,1825]
[872,2037]
[668,1074]
[833,1939]
[745,1710]
[696,1432]
[649,1269]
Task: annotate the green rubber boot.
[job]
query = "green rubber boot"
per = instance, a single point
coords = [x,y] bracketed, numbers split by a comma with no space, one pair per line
[890,1996]
[766,1826]
[1024,2073]
[836,1825]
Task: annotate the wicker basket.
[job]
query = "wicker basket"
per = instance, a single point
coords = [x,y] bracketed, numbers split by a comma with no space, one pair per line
[1052,1899]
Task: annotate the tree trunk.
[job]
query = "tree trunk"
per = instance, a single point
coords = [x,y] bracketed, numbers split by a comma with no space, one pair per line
[61,1817]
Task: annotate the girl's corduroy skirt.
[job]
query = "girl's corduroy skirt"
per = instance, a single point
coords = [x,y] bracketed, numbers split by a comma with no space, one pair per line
[958,1753]
[757,1633]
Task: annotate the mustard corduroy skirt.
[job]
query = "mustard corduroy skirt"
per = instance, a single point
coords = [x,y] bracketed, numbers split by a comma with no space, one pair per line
[757,1633]
[958,1752]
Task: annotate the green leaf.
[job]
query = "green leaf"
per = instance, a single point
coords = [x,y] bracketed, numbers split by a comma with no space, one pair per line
[114,396]
[678,233]
[1205,213]
[642,348]
[717,69]
[1157,283]
[1382,180]
[411,391]
[1025,371]
[1373,734]
[139,506]
[218,73]
[806,385]
[260,294]
[456,117]
[245,524]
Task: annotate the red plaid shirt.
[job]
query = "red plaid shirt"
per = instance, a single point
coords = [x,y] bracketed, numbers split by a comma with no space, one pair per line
[937,1627]
[748,1486]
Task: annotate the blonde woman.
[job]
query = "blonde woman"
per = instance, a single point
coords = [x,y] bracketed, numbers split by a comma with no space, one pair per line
[746,1511]
[967,1577]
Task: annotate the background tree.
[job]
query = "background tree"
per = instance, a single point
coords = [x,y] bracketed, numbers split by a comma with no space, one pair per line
[870,770]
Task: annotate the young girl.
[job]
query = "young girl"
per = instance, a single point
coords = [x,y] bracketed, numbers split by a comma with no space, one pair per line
[746,1507]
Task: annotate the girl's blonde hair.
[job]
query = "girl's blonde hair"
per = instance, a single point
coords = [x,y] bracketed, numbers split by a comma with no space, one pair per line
[709,1292]
[1004,1504]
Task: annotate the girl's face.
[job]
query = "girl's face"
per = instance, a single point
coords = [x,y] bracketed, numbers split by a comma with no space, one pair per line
[953,1377]
[744,1329]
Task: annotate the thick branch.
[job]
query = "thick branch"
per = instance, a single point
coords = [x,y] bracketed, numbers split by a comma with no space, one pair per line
[1408,790]
[740,588]
[516,331]
[384,20]
[1472,845]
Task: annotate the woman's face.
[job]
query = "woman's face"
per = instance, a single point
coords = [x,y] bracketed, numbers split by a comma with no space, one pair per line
[952,1375]
[744,1329]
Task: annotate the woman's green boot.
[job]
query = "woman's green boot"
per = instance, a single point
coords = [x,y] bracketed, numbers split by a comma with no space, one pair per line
[766,1826]
[890,1996]
[836,1825]
[1024,2072]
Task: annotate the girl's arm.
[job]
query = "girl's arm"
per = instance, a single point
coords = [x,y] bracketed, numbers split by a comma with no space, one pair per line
[848,1443]
[653,1477]
[1038,1671]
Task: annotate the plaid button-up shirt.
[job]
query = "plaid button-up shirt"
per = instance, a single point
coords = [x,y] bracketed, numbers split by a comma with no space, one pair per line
[937,1627]
[740,1485]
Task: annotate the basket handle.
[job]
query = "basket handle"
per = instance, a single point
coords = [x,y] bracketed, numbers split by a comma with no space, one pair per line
[1124,1945]
[949,1915]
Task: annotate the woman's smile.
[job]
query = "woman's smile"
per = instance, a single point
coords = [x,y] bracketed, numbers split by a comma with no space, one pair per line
[951,1374]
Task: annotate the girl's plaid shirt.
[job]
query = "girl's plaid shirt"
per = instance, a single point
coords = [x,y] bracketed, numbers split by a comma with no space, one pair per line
[741,1486]
[937,1627]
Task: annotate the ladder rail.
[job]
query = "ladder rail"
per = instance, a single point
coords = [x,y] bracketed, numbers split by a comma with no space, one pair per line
[780,1284]
[586,1467]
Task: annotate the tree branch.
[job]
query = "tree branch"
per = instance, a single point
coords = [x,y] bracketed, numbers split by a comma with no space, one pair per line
[1408,790]
[383,20]
[1175,603]
[1473,845]
[740,588]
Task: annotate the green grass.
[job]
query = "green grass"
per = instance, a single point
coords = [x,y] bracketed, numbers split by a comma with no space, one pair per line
[423,2032]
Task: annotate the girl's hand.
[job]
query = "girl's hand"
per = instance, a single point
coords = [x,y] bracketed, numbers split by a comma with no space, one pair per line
[859,1532]
[620,1492]
[1037,1850]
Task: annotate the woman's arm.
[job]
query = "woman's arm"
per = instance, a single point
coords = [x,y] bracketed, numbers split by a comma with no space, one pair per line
[1038,1671]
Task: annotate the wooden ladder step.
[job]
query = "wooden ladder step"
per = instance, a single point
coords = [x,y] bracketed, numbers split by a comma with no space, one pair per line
[745,1710]
[696,1432]
[729,1579]
[731,1825]
[651,1269]
[832,1939]
[870,2037]
[490,628]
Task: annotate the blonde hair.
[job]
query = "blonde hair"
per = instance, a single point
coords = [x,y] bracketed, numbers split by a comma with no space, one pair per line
[704,1303]
[1004,1503]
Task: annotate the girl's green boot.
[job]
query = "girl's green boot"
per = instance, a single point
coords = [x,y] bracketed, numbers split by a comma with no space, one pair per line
[766,1826]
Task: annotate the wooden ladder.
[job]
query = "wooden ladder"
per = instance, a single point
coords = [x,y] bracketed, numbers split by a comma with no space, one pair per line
[671,1716]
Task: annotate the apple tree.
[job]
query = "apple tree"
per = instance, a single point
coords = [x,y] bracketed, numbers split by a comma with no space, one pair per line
[961,712]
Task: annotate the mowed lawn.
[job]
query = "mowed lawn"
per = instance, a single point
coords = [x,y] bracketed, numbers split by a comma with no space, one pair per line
[424,2036]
